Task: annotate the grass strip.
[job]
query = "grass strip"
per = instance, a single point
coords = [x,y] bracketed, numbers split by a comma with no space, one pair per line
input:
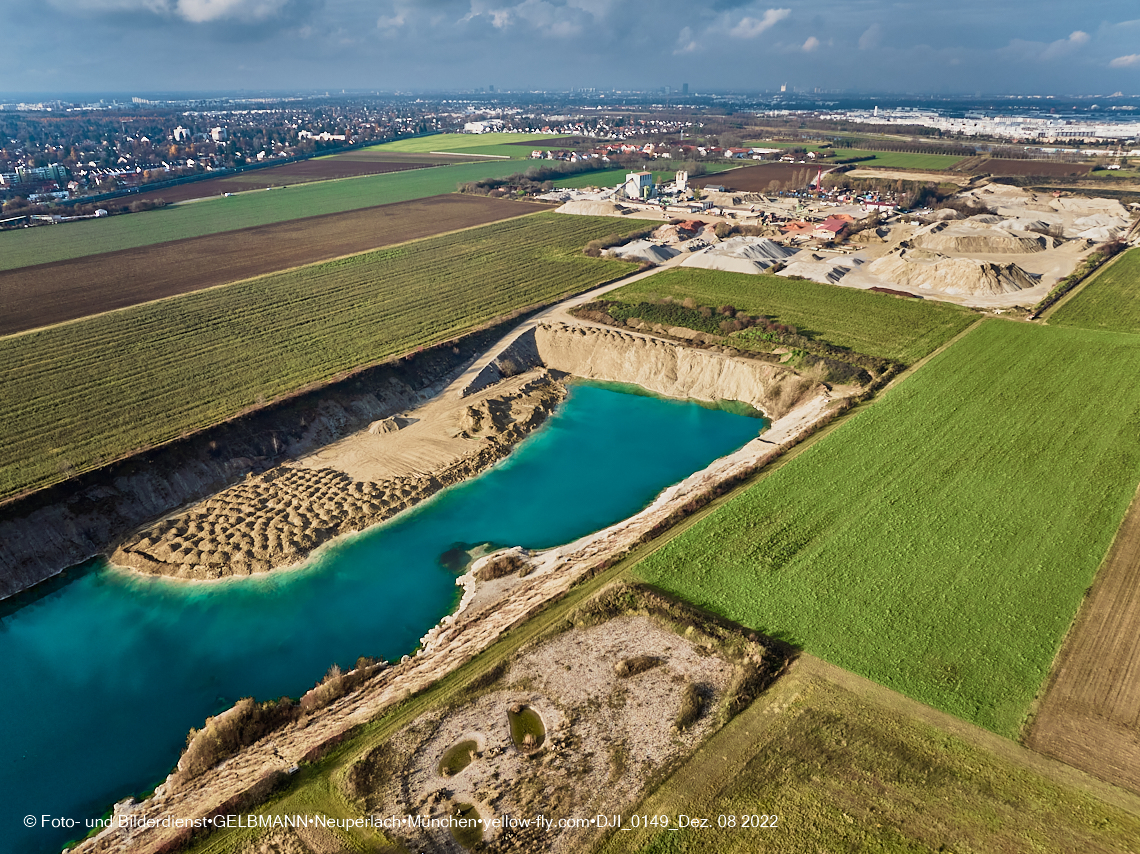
[889,327]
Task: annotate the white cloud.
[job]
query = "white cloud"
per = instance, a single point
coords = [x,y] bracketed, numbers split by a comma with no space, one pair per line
[811,44]
[1061,47]
[750,28]
[1129,61]
[547,18]
[685,42]
[390,23]
[871,38]
[195,11]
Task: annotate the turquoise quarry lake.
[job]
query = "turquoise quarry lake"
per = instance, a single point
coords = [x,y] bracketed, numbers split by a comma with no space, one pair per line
[103,677]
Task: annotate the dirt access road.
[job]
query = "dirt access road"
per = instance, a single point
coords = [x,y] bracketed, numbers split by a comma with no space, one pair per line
[1089,716]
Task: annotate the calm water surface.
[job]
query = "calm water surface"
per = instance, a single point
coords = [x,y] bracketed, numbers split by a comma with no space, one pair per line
[103,677]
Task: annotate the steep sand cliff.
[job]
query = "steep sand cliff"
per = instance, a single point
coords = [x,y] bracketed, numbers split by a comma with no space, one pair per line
[670,369]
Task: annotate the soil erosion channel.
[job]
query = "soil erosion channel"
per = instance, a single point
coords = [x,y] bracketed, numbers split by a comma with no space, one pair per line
[152,658]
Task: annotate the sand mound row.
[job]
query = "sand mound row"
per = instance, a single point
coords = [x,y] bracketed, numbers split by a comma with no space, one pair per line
[951,275]
[278,518]
[969,239]
[585,207]
[1071,217]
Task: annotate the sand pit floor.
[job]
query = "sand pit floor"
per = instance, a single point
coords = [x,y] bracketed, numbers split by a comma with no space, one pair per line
[605,735]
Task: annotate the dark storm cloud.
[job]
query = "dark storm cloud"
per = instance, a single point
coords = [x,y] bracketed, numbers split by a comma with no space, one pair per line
[971,45]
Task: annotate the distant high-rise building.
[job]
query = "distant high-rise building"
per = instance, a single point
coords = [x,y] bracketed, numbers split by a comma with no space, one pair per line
[684,88]
[490,88]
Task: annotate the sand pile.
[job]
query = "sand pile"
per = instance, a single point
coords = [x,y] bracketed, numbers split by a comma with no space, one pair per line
[825,269]
[1072,217]
[678,233]
[969,239]
[741,255]
[1087,207]
[1035,226]
[644,250]
[967,276]
[1099,227]
[942,215]
[985,219]
[585,207]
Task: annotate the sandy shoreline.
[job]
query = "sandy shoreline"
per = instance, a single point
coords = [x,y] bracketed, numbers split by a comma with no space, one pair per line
[277,519]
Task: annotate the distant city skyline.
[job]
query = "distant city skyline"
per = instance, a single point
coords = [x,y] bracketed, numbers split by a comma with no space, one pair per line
[1038,47]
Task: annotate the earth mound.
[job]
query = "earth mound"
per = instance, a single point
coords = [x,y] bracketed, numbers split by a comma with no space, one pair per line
[967,276]
[587,207]
[970,239]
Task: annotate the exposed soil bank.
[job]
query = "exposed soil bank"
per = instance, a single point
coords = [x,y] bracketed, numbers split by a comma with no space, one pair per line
[602,353]
[43,533]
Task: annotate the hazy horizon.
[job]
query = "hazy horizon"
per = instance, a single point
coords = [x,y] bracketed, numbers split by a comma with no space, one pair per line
[868,47]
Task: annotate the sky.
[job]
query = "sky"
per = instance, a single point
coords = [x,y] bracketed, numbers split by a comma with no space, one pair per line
[961,47]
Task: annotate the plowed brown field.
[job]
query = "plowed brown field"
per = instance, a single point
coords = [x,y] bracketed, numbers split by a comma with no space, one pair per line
[276,176]
[764,178]
[1036,168]
[1090,714]
[51,293]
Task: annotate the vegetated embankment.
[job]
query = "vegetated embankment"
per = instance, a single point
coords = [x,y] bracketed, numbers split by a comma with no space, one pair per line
[66,290]
[875,324]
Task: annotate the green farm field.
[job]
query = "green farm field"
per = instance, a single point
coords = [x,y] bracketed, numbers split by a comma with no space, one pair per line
[941,541]
[845,769]
[900,159]
[1109,300]
[26,247]
[499,144]
[865,322]
[883,159]
[79,394]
